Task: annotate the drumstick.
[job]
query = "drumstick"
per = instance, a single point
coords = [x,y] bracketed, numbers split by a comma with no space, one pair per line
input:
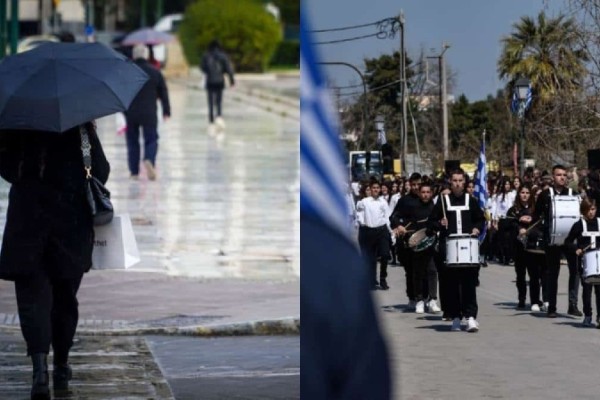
[534,224]
[443,207]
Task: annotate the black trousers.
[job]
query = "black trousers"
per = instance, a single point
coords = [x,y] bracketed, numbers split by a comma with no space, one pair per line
[405,257]
[462,291]
[553,255]
[521,272]
[505,241]
[586,297]
[536,268]
[215,99]
[442,272]
[48,312]
[424,275]
[375,243]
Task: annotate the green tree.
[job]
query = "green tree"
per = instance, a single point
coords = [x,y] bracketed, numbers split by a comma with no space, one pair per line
[245,29]
[547,52]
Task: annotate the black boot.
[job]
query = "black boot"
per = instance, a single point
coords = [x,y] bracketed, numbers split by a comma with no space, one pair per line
[573,310]
[61,376]
[383,284]
[39,387]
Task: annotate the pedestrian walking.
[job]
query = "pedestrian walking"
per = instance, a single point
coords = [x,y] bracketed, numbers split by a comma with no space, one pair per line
[142,114]
[215,64]
[48,240]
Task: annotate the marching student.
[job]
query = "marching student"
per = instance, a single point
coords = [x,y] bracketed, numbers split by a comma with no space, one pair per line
[459,213]
[374,234]
[586,233]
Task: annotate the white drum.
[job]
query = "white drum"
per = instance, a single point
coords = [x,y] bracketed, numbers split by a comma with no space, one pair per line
[564,212]
[462,251]
[591,267]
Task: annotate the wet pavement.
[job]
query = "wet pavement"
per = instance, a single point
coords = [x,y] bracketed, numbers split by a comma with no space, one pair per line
[218,236]
[103,368]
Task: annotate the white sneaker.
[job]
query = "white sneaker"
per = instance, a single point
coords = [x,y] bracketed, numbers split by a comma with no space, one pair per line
[545,306]
[420,308]
[411,305]
[472,325]
[220,123]
[150,170]
[433,306]
[535,308]
[587,321]
[455,325]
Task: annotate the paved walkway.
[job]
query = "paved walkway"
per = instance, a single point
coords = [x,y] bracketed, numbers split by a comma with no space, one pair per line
[516,354]
[218,231]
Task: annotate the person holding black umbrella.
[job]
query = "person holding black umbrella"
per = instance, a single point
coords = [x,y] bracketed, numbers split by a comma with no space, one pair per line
[142,115]
[48,98]
[48,240]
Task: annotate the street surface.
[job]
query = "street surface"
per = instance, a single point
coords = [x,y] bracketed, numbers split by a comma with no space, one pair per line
[218,235]
[515,355]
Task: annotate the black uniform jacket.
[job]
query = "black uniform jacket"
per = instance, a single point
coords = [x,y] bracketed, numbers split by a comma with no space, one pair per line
[471,218]
[582,241]
[48,222]
[405,210]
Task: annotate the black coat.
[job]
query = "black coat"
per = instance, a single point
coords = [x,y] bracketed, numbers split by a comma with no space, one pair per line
[48,222]
[143,108]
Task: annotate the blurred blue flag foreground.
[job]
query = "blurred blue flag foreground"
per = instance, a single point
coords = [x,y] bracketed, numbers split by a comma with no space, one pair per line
[343,355]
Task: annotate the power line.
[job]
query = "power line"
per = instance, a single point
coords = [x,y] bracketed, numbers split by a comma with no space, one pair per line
[348,39]
[345,28]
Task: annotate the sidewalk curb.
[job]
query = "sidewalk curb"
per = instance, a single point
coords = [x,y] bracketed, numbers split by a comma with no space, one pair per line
[271,102]
[283,326]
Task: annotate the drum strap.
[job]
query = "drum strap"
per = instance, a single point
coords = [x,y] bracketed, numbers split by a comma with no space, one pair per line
[592,235]
[552,192]
[458,210]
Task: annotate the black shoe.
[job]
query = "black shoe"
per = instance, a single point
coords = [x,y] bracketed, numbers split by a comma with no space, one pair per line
[521,305]
[61,376]
[573,310]
[598,324]
[551,314]
[383,284]
[40,386]
[484,264]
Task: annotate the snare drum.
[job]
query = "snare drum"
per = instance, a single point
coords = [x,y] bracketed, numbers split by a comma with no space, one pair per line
[535,242]
[563,214]
[462,251]
[419,241]
[591,267]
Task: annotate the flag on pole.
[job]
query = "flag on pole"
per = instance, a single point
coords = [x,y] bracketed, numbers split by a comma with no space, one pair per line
[480,192]
[323,176]
[343,352]
[519,107]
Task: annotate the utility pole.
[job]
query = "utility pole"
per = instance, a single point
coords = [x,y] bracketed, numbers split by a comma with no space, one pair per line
[14,26]
[444,98]
[143,11]
[2,28]
[404,124]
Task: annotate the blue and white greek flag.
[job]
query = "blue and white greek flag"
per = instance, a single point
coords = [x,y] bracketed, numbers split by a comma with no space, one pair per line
[323,175]
[518,107]
[480,191]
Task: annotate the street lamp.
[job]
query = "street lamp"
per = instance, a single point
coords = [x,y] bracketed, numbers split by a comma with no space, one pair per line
[523,92]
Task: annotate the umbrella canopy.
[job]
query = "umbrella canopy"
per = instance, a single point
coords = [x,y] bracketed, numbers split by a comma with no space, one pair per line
[57,86]
[146,36]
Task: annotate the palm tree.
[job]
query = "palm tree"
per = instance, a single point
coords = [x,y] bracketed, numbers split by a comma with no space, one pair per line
[547,53]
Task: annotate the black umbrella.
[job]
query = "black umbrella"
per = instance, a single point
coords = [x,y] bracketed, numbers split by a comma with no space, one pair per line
[57,86]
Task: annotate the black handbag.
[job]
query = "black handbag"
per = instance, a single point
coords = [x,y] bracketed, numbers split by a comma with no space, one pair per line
[98,197]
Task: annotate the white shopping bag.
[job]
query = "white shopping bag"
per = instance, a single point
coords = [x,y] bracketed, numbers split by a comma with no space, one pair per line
[115,246]
[121,123]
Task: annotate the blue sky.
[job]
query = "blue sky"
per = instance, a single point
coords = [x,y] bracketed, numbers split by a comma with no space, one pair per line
[473,28]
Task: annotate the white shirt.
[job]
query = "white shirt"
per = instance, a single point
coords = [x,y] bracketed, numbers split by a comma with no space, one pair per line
[373,212]
[394,201]
[502,206]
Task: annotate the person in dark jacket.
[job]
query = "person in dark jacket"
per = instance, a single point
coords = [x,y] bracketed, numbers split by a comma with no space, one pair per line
[48,240]
[215,64]
[459,214]
[584,236]
[142,114]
